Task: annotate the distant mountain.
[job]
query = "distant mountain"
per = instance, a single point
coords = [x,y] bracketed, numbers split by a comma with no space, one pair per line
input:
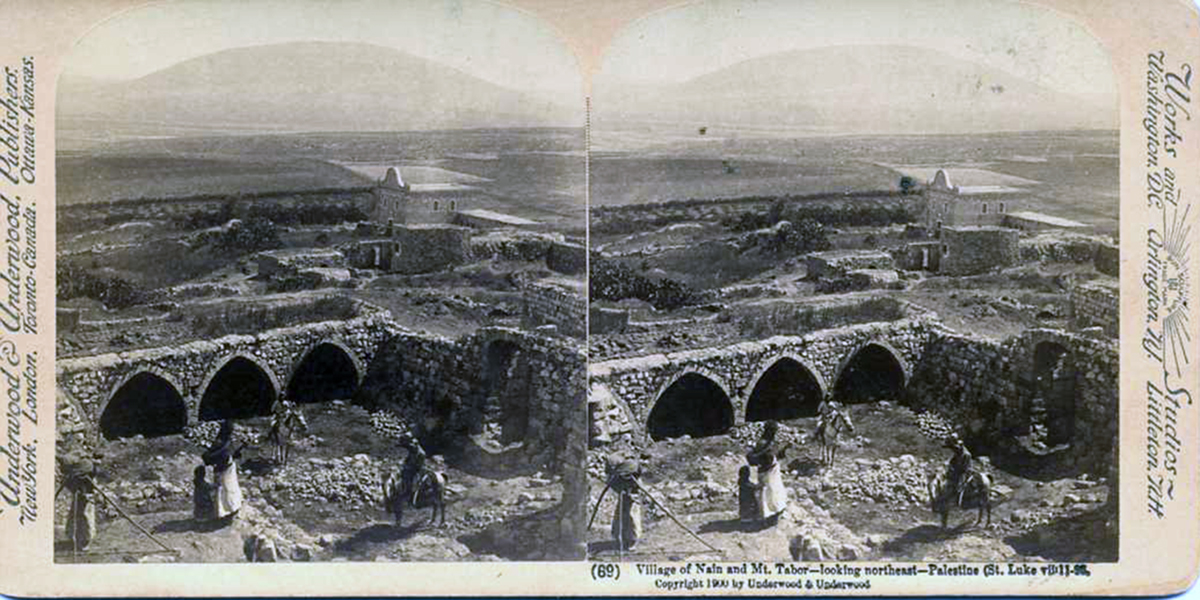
[855,89]
[303,86]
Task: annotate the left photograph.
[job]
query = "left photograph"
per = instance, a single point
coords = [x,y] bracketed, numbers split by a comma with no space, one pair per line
[321,286]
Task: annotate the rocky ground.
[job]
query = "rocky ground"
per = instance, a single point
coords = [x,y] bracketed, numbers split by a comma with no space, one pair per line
[872,504]
[325,505]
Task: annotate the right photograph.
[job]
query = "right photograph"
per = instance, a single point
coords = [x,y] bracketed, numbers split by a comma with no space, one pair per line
[854,286]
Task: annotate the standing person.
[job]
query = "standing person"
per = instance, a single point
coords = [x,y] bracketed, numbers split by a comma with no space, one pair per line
[627,517]
[79,480]
[221,456]
[772,495]
[202,495]
[749,508]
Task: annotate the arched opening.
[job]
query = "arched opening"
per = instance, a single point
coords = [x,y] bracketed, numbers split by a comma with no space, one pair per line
[326,373]
[145,405]
[786,390]
[872,374]
[1052,410]
[693,405]
[241,389]
[506,391]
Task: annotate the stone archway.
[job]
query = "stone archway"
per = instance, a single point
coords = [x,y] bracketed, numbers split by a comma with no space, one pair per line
[787,389]
[874,372]
[692,405]
[145,404]
[327,372]
[238,390]
[1052,409]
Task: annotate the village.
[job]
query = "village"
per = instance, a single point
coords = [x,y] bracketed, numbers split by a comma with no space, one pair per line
[431,327]
[865,339]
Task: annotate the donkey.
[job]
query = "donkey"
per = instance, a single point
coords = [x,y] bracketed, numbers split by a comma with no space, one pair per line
[286,422]
[976,489]
[429,491]
[832,422]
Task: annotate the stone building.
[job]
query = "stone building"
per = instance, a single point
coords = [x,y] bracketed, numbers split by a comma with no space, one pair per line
[404,203]
[952,205]
[412,249]
[972,250]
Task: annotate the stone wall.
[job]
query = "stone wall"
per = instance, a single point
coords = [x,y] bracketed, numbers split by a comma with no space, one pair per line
[1096,304]
[412,249]
[607,320]
[1108,259]
[550,304]
[91,381]
[986,386]
[635,217]
[637,382]
[288,262]
[972,250]
[98,215]
[440,385]
[837,263]
[565,257]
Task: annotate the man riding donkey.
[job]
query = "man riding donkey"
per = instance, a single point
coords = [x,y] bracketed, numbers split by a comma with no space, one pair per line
[419,486]
[961,484]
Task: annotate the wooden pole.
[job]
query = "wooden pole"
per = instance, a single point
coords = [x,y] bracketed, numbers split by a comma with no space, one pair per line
[674,518]
[122,512]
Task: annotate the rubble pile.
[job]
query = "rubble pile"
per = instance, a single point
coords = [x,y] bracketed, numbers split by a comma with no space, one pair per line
[353,480]
[899,480]
[934,426]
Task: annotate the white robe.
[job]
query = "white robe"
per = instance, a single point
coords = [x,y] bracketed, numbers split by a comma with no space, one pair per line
[772,495]
[229,493]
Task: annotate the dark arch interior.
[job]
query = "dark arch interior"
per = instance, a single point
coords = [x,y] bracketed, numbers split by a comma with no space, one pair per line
[694,405]
[873,374]
[506,390]
[241,389]
[146,405]
[326,373]
[1053,405]
[786,390]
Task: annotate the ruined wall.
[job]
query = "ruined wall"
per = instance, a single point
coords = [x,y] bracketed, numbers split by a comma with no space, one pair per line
[567,258]
[986,386]
[971,250]
[548,304]
[91,381]
[411,249]
[836,263]
[632,217]
[607,320]
[1096,304]
[638,382]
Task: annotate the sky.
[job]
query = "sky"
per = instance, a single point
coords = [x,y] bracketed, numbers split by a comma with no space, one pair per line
[498,44]
[1032,42]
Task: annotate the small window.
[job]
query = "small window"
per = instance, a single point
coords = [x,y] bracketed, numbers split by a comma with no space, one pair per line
[453,205]
[985,208]
[435,205]
[1001,207]
[945,249]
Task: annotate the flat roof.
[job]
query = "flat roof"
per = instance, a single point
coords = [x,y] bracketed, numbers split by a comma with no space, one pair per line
[427,188]
[1038,217]
[971,190]
[483,213]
